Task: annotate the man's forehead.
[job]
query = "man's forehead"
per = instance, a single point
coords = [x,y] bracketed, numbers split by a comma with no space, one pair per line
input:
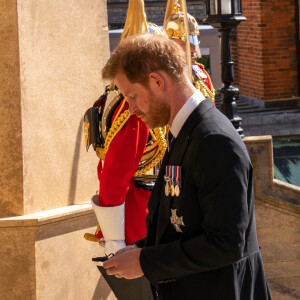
[124,85]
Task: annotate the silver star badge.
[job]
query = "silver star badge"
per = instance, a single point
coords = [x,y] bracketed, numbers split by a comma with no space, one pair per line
[176,221]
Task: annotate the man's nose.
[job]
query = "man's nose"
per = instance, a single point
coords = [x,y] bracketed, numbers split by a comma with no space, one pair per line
[132,107]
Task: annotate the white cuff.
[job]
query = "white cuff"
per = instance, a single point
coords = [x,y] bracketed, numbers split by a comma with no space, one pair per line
[112,225]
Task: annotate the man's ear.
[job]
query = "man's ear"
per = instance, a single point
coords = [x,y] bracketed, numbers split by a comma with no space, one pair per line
[156,81]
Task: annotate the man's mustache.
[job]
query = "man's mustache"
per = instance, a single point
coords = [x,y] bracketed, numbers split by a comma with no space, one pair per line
[139,114]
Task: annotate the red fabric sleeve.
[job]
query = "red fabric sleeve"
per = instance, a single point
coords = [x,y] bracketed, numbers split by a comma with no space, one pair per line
[121,161]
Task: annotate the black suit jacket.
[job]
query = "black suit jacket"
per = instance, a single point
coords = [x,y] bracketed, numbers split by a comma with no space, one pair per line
[217,255]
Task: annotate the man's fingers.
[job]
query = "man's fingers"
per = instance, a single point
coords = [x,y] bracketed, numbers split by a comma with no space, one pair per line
[109,263]
[111,271]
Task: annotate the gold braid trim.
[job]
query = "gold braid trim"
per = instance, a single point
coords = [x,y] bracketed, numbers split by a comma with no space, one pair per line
[200,85]
[116,126]
[86,127]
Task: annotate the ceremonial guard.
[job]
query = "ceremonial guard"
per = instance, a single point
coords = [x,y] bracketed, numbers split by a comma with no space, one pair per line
[175,29]
[128,151]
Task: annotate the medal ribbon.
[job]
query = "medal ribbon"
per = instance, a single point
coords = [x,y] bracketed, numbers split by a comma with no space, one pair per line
[178,176]
[167,172]
[174,175]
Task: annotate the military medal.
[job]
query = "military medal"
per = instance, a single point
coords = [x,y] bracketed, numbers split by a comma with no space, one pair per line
[178,180]
[172,179]
[167,185]
[177,190]
[167,180]
[176,221]
[172,190]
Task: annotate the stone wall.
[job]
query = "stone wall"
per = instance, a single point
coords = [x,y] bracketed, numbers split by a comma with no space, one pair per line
[51,54]
[44,256]
[11,175]
[278,221]
[279,239]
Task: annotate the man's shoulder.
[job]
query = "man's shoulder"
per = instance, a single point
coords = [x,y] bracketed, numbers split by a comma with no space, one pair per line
[215,128]
[212,122]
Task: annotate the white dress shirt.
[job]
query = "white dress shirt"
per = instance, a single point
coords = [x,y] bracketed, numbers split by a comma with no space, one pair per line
[185,112]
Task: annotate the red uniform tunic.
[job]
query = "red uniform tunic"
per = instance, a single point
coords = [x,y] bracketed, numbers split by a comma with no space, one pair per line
[116,184]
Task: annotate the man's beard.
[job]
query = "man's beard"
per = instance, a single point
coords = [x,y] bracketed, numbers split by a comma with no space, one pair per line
[158,114]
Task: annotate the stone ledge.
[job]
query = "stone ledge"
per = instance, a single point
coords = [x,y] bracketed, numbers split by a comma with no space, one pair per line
[48,216]
[45,252]
[267,189]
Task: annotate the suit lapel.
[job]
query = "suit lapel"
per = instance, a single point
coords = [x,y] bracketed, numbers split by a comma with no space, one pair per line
[175,157]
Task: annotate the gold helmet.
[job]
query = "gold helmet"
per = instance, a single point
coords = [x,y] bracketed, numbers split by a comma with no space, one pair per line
[174,23]
[136,21]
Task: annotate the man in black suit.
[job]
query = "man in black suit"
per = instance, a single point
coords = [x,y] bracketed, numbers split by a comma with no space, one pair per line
[201,237]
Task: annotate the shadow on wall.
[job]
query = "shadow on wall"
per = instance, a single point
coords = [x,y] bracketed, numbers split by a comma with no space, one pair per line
[75,164]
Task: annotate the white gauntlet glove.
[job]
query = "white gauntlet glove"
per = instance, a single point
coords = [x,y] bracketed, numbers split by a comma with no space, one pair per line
[112,224]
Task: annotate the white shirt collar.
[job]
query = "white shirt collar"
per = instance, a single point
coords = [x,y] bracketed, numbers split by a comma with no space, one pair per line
[185,112]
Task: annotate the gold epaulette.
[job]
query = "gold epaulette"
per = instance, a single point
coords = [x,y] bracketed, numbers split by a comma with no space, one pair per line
[200,85]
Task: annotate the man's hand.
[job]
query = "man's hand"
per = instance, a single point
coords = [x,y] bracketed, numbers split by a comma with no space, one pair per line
[125,263]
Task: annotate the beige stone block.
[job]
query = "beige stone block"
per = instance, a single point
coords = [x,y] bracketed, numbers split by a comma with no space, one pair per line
[11,175]
[282,269]
[280,252]
[45,256]
[267,216]
[64,262]
[17,263]
[267,189]
[283,235]
[280,295]
[285,288]
[51,56]
[63,46]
